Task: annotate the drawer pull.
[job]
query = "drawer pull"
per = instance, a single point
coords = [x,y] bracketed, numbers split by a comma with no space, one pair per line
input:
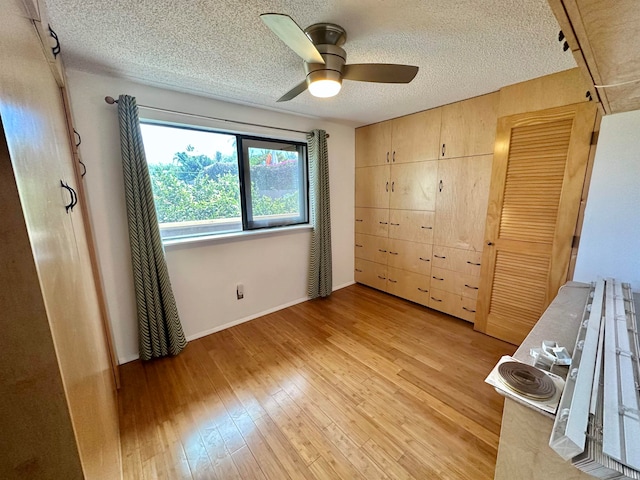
[393,281]
[393,185]
[393,253]
[358,219]
[358,270]
[382,223]
[395,224]
[382,278]
[425,259]
[437,278]
[469,286]
[381,250]
[471,263]
[436,299]
[426,228]
[468,310]
[422,290]
[360,246]
[438,256]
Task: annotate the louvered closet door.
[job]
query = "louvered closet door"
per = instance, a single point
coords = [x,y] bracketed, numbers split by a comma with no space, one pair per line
[538,172]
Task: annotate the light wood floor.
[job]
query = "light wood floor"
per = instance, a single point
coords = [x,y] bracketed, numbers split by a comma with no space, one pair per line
[358,386]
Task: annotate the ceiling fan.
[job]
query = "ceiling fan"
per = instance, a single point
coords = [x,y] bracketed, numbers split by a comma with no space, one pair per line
[320,46]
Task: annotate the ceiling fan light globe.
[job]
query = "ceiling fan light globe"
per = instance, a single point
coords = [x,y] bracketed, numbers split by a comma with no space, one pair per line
[324,88]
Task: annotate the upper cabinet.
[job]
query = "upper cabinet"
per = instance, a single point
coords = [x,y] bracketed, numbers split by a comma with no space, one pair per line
[373,144]
[469,127]
[603,37]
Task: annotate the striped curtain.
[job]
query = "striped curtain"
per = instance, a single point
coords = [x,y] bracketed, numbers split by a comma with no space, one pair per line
[320,209]
[160,331]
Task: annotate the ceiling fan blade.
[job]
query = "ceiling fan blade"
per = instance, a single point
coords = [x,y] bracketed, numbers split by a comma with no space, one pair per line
[379,72]
[292,35]
[294,92]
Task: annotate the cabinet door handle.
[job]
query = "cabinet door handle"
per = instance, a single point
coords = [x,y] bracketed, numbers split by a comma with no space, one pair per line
[469,286]
[381,250]
[436,299]
[393,185]
[471,263]
[394,156]
[426,228]
[382,223]
[395,224]
[358,219]
[393,253]
[386,187]
[423,290]
[443,149]
[424,259]
[360,246]
[489,243]
[468,310]
[437,278]
[438,256]
[358,270]
[393,281]
[387,157]
[440,187]
[56,48]
[381,277]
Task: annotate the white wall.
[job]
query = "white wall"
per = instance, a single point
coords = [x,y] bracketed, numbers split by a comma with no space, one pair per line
[273,267]
[610,243]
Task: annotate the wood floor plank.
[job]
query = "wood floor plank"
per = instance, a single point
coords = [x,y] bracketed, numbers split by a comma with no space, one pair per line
[360,385]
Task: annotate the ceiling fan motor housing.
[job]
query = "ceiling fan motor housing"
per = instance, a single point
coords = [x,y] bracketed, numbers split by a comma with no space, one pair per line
[334,57]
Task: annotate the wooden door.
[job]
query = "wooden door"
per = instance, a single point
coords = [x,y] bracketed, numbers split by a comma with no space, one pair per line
[372,187]
[373,144]
[413,186]
[538,172]
[461,204]
[469,127]
[416,137]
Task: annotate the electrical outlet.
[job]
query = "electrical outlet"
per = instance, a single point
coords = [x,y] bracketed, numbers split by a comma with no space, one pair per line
[240,291]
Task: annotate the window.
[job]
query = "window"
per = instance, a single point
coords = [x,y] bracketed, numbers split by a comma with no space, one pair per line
[207,182]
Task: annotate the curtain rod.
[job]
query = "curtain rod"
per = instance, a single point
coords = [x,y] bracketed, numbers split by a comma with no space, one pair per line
[111,101]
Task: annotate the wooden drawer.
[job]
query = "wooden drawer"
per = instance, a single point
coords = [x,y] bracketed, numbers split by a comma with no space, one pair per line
[412,225]
[371,273]
[453,304]
[409,285]
[463,261]
[455,282]
[372,248]
[372,221]
[412,256]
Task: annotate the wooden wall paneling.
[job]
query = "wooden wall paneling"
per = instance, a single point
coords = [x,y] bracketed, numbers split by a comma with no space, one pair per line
[462,198]
[373,186]
[412,256]
[416,137]
[410,285]
[413,225]
[372,221]
[469,127]
[555,90]
[413,186]
[371,274]
[538,174]
[372,248]
[373,144]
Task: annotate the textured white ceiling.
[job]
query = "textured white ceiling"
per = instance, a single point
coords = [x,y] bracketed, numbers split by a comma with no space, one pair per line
[223,50]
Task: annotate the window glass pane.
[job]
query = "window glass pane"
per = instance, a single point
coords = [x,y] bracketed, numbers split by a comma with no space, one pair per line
[278,183]
[194,175]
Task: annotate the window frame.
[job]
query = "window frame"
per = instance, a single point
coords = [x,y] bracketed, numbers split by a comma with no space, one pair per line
[248,223]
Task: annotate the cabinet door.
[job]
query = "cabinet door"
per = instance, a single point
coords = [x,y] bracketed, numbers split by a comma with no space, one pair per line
[372,248]
[371,274]
[469,127]
[409,285]
[461,202]
[372,187]
[413,225]
[416,138]
[372,221]
[373,144]
[413,186]
[412,256]
[536,187]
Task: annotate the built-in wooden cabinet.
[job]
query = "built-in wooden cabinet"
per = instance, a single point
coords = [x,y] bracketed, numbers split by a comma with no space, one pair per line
[415,138]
